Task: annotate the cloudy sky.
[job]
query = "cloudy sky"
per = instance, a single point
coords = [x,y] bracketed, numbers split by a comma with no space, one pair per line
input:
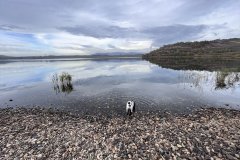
[80,27]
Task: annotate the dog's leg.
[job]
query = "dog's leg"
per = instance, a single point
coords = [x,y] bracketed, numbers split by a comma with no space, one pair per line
[129,112]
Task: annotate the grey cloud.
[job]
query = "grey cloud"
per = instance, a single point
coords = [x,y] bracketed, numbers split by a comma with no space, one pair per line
[193,9]
[71,48]
[174,33]
[160,34]
[47,15]
[101,31]
[112,46]
[10,27]
[86,46]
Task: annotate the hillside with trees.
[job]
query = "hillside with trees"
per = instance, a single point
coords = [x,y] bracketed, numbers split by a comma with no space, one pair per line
[204,55]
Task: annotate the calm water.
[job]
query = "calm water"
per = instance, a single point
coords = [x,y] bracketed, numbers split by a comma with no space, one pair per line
[106,85]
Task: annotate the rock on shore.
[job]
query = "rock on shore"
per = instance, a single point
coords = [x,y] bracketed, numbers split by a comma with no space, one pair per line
[48,134]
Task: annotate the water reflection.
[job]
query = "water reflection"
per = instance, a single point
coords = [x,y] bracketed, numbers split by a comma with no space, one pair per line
[220,72]
[110,84]
[219,80]
[225,80]
[62,83]
[192,63]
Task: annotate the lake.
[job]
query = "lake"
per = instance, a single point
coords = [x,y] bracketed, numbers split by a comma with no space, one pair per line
[105,85]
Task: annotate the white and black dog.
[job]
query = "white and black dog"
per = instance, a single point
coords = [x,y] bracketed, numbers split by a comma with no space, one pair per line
[130,107]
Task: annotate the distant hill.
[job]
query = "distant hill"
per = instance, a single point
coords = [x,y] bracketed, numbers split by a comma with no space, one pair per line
[205,55]
[119,54]
[220,48]
[2,57]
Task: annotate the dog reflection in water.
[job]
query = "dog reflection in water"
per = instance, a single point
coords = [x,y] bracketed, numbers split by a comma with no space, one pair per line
[130,108]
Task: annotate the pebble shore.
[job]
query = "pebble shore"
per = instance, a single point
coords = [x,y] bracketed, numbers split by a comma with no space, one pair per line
[50,134]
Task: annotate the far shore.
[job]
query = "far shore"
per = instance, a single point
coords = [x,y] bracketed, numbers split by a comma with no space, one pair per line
[100,56]
[39,133]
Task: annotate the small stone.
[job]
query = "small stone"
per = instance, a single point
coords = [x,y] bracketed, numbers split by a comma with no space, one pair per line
[39,156]
[161,151]
[129,156]
[174,148]
[230,157]
[207,149]
[237,155]
[219,155]
[179,146]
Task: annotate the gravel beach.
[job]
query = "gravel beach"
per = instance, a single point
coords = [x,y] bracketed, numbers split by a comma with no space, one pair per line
[51,134]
